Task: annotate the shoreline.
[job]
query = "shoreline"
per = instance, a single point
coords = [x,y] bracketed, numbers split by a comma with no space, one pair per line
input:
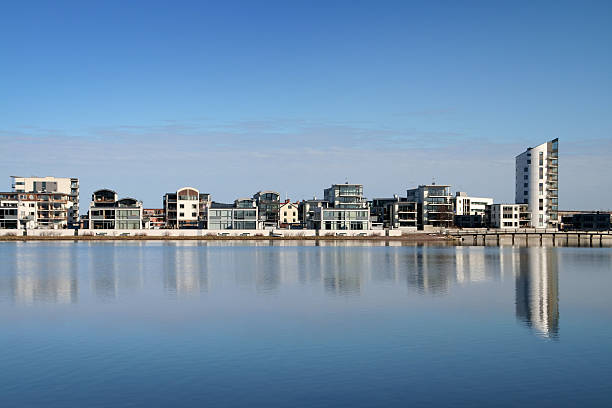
[405,238]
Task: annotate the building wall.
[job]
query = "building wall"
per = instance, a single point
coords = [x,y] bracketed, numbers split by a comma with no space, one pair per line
[536,184]
[63,185]
[341,219]
[434,205]
[187,206]
[288,214]
[505,216]
[467,205]
[229,218]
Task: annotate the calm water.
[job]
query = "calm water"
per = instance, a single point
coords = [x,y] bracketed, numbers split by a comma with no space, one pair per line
[281,324]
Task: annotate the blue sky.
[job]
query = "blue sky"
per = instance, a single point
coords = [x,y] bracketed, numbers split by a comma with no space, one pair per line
[233,97]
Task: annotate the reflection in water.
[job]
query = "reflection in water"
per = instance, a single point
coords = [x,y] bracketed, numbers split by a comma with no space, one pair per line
[185,269]
[43,276]
[50,273]
[537,291]
[104,268]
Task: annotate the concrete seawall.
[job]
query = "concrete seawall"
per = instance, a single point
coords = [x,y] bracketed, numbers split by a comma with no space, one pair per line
[211,234]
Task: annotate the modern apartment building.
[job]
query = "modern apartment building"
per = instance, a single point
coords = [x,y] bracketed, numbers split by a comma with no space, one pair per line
[186,208]
[34,210]
[434,205]
[345,196]
[268,203]
[9,211]
[154,218]
[344,209]
[593,221]
[243,214]
[395,212]
[509,216]
[56,185]
[403,214]
[306,210]
[106,211]
[471,212]
[467,205]
[340,219]
[537,183]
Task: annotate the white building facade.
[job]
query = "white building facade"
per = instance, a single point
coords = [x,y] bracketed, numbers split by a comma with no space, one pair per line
[509,216]
[467,205]
[537,183]
[62,185]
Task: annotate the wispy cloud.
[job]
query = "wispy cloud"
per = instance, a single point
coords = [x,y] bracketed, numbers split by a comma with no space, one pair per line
[297,156]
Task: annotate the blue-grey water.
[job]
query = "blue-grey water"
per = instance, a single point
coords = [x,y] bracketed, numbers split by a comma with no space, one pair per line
[144,324]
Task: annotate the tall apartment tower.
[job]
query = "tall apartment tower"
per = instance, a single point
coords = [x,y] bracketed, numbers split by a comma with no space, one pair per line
[45,185]
[537,183]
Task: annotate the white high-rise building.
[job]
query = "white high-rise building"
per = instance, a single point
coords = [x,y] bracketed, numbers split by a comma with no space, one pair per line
[537,183]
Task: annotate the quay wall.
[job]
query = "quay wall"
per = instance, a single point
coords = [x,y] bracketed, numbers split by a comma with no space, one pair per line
[177,233]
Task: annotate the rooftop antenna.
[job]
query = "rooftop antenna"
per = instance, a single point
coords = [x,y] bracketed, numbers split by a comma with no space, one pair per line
[433,181]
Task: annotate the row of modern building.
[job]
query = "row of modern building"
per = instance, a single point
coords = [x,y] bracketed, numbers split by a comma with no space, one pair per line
[53,203]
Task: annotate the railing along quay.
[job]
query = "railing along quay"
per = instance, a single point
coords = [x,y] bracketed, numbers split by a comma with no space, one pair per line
[480,237]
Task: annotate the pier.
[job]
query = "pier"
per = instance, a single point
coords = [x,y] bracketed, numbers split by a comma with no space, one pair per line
[540,237]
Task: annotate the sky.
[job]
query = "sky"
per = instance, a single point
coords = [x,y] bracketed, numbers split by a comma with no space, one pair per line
[235,97]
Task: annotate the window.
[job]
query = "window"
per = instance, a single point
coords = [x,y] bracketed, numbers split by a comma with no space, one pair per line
[526,185]
[541,204]
[284,220]
[193,206]
[525,192]
[526,177]
[541,173]
[541,188]
[541,158]
[526,169]
[285,214]
[529,161]
[194,214]
[182,206]
[181,214]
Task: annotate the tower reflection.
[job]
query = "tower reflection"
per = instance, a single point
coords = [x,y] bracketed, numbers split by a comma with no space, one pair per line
[537,291]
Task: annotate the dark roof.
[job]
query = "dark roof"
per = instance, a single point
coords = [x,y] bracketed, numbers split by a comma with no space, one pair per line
[221,205]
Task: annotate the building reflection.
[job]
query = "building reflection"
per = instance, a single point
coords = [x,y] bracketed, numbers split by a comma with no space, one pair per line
[537,291]
[50,273]
[341,271]
[269,265]
[49,276]
[185,268]
[104,268]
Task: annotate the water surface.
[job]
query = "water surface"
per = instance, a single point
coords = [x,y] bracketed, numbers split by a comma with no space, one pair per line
[128,324]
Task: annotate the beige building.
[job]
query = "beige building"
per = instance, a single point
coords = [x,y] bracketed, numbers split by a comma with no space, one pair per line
[60,185]
[288,215]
